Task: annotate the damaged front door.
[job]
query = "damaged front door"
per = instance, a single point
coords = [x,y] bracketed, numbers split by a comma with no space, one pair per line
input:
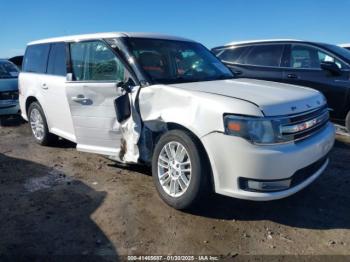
[96,76]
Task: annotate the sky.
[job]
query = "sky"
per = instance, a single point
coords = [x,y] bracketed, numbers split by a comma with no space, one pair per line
[210,22]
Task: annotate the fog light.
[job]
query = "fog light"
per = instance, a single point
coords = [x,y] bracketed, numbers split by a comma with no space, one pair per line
[265,186]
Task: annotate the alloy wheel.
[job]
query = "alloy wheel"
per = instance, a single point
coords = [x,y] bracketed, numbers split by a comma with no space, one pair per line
[37,124]
[174,169]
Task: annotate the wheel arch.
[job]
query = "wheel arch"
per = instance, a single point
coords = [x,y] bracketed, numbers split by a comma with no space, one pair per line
[29,101]
[168,126]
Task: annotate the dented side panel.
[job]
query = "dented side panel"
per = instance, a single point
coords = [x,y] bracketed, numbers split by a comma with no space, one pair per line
[200,112]
[131,130]
[152,109]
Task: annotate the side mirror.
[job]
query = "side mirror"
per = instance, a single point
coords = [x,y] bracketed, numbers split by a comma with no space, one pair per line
[122,107]
[331,67]
[127,86]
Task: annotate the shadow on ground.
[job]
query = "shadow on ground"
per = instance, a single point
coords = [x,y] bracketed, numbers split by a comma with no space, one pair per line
[45,213]
[11,121]
[142,169]
[322,205]
[63,143]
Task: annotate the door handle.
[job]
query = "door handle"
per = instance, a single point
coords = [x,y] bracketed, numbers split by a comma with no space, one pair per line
[44,86]
[79,98]
[293,76]
[237,72]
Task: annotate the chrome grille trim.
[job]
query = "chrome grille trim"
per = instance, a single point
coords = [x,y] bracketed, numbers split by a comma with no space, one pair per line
[298,115]
[305,125]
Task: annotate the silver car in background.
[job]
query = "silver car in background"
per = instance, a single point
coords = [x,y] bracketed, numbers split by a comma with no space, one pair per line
[8,89]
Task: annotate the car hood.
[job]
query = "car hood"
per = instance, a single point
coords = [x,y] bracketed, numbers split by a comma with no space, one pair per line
[10,84]
[271,97]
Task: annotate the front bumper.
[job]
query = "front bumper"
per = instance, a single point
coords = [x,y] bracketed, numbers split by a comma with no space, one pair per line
[9,107]
[233,158]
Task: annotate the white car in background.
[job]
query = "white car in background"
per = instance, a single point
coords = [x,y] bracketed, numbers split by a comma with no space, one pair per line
[170,103]
[346,46]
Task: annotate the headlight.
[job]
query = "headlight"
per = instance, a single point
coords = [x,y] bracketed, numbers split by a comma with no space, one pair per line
[257,130]
[273,130]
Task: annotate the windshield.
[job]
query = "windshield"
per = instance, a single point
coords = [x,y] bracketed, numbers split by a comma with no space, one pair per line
[168,61]
[8,70]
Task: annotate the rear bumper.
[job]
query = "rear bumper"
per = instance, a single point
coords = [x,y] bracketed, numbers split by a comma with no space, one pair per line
[233,158]
[9,107]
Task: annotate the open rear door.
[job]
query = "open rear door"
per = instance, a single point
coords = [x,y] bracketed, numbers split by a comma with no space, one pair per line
[91,95]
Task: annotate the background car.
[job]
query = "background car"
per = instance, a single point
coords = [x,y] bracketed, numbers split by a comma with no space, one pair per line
[321,66]
[17,60]
[346,46]
[8,89]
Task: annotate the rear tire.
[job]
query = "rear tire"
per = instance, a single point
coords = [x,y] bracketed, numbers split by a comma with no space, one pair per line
[2,120]
[38,124]
[180,171]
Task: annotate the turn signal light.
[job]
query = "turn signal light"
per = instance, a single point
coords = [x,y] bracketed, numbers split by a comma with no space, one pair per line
[234,126]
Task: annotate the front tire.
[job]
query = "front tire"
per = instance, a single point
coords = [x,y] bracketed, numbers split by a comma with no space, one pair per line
[347,122]
[179,169]
[38,124]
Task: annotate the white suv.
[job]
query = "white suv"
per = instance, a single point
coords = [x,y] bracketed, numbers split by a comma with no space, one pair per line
[170,103]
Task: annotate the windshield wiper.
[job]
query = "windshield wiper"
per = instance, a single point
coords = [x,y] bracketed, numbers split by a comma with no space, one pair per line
[224,77]
[176,80]
[7,77]
[182,79]
[219,77]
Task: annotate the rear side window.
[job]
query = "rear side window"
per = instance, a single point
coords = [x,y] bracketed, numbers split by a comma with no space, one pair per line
[232,55]
[57,60]
[35,59]
[94,61]
[264,55]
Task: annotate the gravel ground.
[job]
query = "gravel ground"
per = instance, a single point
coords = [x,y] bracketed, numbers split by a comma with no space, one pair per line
[57,201]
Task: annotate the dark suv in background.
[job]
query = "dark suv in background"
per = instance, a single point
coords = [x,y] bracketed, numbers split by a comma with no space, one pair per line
[320,66]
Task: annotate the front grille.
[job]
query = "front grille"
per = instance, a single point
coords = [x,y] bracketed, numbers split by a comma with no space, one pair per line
[301,126]
[9,95]
[303,174]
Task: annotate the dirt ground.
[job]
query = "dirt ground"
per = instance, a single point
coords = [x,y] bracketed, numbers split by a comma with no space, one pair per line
[57,201]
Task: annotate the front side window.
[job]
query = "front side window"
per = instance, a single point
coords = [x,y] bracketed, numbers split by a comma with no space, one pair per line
[8,70]
[35,60]
[170,61]
[308,57]
[324,57]
[339,51]
[232,55]
[95,61]
[264,55]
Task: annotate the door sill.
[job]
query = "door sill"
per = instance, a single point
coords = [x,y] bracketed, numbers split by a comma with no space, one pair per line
[98,150]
